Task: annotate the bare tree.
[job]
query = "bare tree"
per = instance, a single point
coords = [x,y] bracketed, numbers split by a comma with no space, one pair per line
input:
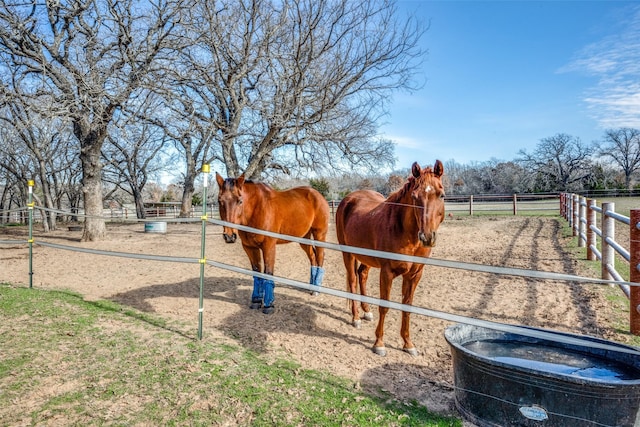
[297,84]
[132,155]
[622,146]
[88,57]
[46,143]
[510,178]
[15,167]
[560,163]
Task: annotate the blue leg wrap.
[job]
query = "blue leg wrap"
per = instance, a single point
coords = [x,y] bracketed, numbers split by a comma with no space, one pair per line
[258,288]
[268,287]
[317,273]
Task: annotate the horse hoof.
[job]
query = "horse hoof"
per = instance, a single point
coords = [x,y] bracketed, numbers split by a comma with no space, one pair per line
[368,316]
[412,351]
[356,324]
[255,304]
[269,310]
[380,351]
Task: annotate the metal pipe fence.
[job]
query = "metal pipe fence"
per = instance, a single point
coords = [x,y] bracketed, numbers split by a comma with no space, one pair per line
[570,208]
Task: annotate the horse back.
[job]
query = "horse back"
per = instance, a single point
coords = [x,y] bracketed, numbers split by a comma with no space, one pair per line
[297,211]
[363,220]
[354,215]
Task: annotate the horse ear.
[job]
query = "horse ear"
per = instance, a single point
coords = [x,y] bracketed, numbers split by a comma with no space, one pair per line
[240,180]
[220,180]
[438,169]
[416,169]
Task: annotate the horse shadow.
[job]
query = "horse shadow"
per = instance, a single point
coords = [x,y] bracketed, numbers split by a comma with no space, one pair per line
[535,226]
[294,315]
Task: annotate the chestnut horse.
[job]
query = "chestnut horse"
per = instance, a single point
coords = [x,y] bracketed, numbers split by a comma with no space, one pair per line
[404,223]
[298,212]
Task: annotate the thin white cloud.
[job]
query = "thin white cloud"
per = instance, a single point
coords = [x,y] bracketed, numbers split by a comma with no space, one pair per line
[405,141]
[615,61]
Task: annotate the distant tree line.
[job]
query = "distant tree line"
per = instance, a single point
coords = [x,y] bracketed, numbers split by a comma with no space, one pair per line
[557,163]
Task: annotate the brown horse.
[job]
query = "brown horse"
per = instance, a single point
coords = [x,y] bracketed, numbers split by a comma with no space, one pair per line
[405,223]
[298,212]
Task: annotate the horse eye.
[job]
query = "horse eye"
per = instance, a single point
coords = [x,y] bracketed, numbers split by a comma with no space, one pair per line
[240,201]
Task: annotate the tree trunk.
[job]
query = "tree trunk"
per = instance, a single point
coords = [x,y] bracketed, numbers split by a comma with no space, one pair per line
[187,196]
[49,216]
[94,224]
[189,186]
[43,213]
[140,211]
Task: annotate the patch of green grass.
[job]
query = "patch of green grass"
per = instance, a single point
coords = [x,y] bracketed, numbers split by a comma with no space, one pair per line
[73,362]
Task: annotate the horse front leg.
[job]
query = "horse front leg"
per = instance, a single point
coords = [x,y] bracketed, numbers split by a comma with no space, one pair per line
[269,258]
[386,280]
[352,286]
[409,285]
[363,275]
[255,258]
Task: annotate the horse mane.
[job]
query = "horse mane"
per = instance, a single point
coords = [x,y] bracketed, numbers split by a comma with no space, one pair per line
[232,182]
[399,194]
[260,186]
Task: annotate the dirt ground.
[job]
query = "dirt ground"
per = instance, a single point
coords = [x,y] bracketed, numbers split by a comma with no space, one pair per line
[315,330]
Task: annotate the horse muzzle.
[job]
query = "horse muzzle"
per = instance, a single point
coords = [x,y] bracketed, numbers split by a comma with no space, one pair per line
[427,239]
[230,238]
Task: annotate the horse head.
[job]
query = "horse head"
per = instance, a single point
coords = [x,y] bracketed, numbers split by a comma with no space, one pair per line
[230,204]
[427,195]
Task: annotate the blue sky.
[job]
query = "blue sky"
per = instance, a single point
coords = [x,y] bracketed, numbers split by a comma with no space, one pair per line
[502,75]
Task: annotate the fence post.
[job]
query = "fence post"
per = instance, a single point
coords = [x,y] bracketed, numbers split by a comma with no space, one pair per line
[515,204]
[203,260]
[30,205]
[562,213]
[576,214]
[591,235]
[608,230]
[471,205]
[634,273]
[582,220]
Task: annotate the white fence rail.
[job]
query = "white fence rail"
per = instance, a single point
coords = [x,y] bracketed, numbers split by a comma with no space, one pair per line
[584,216]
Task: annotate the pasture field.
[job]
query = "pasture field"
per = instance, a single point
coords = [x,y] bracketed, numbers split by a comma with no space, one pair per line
[106,340]
[623,204]
[66,361]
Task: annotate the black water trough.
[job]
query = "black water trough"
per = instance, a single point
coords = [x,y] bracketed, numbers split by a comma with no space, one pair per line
[507,379]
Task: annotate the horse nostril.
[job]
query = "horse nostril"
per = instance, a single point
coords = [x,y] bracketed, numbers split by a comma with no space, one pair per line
[427,239]
[229,238]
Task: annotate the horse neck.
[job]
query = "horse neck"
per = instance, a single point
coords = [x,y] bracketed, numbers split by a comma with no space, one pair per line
[255,196]
[400,208]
